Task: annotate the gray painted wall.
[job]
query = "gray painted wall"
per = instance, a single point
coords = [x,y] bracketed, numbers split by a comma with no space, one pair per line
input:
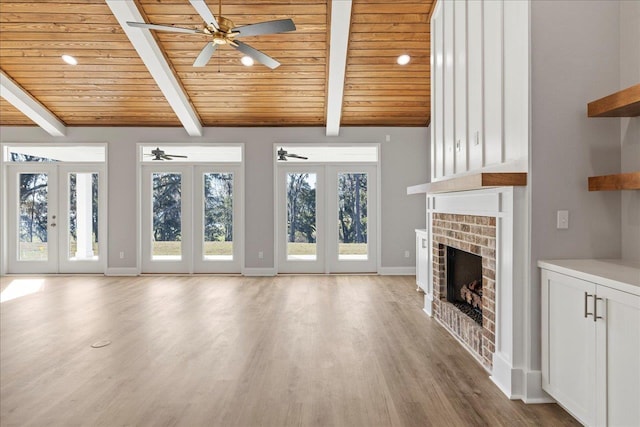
[630,127]
[405,161]
[575,59]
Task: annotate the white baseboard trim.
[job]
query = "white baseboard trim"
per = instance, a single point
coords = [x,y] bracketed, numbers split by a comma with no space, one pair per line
[122,271]
[533,389]
[428,304]
[508,379]
[517,383]
[397,271]
[259,272]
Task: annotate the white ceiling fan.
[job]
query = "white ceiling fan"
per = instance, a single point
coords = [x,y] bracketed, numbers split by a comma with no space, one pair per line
[224,31]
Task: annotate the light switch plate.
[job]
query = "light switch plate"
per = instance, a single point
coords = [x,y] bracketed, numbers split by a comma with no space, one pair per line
[563,220]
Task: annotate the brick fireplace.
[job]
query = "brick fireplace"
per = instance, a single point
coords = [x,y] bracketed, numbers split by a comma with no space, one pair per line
[494,224]
[475,235]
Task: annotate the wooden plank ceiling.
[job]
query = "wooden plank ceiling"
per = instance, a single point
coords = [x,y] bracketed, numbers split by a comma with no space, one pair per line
[111,86]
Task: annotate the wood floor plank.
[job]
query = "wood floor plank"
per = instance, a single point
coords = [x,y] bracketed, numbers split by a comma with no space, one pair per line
[238,351]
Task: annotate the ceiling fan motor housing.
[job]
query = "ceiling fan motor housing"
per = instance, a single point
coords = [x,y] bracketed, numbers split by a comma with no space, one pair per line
[225,34]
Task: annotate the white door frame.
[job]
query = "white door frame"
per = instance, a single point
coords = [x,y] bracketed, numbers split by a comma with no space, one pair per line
[58,226]
[327,260]
[192,259]
[200,264]
[334,263]
[284,265]
[148,264]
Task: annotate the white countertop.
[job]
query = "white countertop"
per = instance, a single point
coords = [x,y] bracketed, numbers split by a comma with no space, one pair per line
[620,274]
[421,230]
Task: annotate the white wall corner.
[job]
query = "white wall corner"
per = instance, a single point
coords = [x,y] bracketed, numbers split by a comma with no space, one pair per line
[30,107]
[154,60]
[340,23]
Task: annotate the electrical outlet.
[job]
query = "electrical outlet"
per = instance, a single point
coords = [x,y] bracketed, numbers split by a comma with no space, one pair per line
[562,220]
[407,254]
[121,254]
[260,255]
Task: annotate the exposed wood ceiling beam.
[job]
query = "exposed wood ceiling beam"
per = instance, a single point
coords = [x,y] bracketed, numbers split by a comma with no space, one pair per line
[23,101]
[340,22]
[152,56]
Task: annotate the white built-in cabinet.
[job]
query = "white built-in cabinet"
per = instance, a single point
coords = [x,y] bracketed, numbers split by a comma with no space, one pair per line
[422,259]
[591,339]
[480,87]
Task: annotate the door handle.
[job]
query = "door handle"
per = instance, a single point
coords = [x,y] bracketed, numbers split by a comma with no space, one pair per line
[595,308]
[53,224]
[586,304]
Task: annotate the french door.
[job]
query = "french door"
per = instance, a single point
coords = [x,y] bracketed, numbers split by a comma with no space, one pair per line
[191,219]
[56,218]
[327,218]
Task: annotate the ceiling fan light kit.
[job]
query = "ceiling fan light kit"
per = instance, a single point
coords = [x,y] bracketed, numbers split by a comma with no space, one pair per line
[224,32]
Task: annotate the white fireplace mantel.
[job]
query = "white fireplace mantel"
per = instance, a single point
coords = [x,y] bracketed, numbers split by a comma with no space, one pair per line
[509,205]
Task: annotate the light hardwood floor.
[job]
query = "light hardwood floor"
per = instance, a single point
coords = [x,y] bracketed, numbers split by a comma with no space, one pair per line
[236,351]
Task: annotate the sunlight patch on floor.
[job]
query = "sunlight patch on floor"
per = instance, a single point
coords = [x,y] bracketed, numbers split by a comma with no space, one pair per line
[20,288]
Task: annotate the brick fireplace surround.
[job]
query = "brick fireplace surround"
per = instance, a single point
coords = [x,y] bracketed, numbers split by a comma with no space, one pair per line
[476,235]
[493,223]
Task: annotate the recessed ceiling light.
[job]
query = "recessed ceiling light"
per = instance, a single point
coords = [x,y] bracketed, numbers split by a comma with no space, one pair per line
[247,61]
[404,59]
[69,59]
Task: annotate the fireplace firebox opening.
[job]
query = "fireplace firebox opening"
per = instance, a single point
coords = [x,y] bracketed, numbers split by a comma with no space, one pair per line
[464,282]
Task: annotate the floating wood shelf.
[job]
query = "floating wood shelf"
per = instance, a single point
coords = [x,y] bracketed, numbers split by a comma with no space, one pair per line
[620,181]
[478,181]
[625,103]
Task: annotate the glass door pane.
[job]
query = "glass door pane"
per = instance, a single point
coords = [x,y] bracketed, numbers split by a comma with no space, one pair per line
[301,217]
[217,222]
[167,216]
[166,211]
[353,205]
[33,219]
[352,216]
[83,213]
[218,217]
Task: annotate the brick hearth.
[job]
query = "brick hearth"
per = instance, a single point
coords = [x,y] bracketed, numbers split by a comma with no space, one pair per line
[477,235]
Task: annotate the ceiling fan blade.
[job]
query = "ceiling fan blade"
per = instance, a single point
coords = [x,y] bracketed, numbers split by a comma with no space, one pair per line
[203,10]
[256,54]
[298,157]
[176,155]
[165,157]
[163,27]
[269,27]
[205,54]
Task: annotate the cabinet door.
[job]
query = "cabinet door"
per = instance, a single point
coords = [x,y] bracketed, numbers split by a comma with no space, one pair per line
[449,86]
[460,85]
[618,358]
[568,343]
[475,131]
[437,85]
